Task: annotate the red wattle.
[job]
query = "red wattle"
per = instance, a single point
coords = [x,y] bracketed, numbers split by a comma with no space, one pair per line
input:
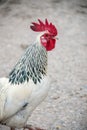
[50,45]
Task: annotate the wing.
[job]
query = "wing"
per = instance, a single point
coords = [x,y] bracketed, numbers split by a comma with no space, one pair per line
[13,98]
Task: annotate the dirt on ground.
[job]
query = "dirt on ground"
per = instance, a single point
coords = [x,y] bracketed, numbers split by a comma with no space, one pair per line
[65,108]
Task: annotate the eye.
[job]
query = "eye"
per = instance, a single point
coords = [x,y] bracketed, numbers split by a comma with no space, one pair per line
[46,35]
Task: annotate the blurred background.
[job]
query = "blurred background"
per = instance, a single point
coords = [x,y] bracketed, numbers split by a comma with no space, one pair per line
[65,108]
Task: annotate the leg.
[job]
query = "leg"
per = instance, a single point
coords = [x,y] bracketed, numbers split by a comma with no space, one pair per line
[29,127]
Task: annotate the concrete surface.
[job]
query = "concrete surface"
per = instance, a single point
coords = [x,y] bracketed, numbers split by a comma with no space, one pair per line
[65,108]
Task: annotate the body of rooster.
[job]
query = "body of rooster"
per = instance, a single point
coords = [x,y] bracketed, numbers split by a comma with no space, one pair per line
[27,84]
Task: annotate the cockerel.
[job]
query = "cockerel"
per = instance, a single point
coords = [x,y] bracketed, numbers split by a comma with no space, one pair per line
[27,84]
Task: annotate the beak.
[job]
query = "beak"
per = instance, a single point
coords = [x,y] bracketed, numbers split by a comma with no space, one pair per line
[56,38]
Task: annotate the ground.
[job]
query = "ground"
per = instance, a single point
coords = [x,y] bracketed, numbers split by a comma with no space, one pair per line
[65,108]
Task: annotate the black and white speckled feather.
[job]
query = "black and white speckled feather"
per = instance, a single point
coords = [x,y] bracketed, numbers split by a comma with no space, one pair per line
[32,65]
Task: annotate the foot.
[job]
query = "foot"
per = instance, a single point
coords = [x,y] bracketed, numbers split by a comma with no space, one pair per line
[29,127]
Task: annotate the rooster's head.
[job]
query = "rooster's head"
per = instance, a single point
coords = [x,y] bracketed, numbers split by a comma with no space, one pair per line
[48,34]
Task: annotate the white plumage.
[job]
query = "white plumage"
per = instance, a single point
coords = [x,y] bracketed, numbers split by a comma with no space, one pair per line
[14,97]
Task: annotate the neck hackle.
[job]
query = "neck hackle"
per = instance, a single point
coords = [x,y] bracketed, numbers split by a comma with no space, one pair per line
[32,65]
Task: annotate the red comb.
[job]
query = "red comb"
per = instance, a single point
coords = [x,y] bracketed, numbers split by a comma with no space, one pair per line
[38,27]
